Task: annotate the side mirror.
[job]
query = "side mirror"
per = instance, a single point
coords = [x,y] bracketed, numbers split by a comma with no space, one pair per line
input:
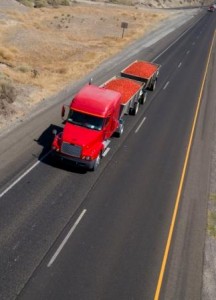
[54,131]
[63,112]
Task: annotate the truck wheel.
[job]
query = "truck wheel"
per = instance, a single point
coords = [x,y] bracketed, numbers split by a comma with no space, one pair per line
[143,98]
[96,163]
[120,130]
[152,88]
[135,109]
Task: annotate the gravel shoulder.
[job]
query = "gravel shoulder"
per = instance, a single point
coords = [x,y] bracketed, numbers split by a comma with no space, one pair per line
[209,268]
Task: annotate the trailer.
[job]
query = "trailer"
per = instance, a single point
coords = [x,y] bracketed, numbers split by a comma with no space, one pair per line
[143,71]
[131,93]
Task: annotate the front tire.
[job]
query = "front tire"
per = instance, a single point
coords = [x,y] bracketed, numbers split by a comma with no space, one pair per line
[120,130]
[96,163]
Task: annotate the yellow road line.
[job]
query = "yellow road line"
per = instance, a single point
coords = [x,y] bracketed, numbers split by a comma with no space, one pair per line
[169,239]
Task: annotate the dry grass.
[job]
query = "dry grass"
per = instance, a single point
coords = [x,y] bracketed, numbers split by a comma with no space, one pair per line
[66,43]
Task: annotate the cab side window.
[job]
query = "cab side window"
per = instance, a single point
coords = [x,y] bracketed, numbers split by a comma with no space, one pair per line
[107,121]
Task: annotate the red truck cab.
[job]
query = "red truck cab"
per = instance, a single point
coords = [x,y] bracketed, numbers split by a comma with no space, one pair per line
[94,116]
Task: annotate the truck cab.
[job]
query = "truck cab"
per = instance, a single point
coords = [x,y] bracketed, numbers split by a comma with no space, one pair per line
[94,116]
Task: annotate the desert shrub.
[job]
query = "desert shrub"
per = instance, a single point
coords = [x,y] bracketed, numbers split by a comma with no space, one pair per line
[212,223]
[29,3]
[62,70]
[65,2]
[58,2]
[40,3]
[5,53]
[123,2]
[2,76]
[23,68]
[7,91]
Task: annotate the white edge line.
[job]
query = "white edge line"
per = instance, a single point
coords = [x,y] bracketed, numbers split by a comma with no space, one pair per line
[173,43]
[66,238]
[106,151]
[176,40]
[138,128]
[23,175]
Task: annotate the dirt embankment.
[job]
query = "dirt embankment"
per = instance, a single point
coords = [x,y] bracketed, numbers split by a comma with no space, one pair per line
[42,50]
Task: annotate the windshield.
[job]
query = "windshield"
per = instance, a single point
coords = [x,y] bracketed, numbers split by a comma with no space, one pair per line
[85,120]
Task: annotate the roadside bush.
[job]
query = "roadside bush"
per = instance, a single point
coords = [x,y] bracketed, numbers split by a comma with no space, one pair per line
[58,2]
[23,68]
[7,91]
[65,2]
[40,3]
[29,3]
[44,3]
[5,54]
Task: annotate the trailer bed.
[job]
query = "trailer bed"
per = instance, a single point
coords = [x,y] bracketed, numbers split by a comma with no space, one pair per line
[128,88]
[141,69]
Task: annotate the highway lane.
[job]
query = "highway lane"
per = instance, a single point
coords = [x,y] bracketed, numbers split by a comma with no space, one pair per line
[49,199]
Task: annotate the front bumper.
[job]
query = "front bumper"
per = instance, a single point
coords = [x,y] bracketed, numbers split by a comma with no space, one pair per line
[78,161]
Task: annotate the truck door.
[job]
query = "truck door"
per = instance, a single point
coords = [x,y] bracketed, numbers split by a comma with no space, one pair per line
[108,127]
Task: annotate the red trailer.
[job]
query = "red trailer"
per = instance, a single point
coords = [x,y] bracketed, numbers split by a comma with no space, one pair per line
[143,71]
[131,93]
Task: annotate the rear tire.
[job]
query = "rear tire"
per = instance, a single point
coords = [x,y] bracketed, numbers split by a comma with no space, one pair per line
[143,98]
[135,109]
[153,86]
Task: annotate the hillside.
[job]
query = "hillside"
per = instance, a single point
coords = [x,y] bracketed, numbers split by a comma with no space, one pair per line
[146,3]
[43,50]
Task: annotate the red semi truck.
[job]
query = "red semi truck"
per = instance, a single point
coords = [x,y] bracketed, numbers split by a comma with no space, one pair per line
[96,114]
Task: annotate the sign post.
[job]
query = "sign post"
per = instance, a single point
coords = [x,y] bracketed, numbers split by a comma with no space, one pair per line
[124,25]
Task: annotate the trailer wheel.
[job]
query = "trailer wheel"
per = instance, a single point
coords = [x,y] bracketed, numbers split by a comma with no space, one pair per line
[143,98]
[96,163]
[152,88]
[134,110]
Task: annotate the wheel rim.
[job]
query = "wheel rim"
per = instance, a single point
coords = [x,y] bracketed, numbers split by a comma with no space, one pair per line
[97,162]
[137,108]
[144,99]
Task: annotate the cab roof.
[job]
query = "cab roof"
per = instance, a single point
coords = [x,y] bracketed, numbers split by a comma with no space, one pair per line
[94,100]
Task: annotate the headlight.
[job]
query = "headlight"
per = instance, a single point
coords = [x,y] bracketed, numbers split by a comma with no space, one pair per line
[86,157]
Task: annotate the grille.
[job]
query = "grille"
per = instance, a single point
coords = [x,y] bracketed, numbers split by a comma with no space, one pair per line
[71,150]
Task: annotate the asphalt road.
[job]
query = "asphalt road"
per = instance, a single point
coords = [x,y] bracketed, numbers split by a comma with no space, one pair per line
[70,234]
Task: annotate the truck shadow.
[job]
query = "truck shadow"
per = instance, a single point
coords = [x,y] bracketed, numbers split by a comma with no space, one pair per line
[45,140]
